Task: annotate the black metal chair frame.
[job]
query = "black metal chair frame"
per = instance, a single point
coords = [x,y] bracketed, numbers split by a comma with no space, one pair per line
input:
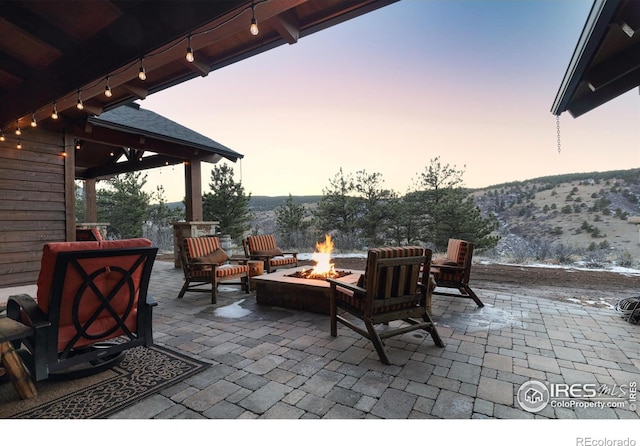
[42,354]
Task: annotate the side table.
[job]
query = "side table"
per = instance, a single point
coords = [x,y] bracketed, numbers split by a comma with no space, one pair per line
[11,330]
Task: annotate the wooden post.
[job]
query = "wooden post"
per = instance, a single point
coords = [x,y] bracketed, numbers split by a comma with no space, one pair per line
[193,190]
[90,200]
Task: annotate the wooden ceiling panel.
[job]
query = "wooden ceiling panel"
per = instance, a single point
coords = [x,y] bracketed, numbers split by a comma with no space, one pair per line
[78,19]
[24,47]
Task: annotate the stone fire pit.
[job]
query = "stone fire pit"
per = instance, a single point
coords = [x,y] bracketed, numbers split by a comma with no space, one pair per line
[281,290]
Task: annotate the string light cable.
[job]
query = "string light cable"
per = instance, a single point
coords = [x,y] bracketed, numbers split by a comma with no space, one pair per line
[139,61]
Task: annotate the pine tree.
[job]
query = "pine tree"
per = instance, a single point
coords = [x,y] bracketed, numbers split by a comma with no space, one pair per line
[291,223]
[227,203]
[124,204]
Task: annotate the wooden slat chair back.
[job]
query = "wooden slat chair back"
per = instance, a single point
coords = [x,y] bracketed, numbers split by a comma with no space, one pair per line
[88,293]
[390,290]
[205,264]
[88,235]
[264,247]
[454,270]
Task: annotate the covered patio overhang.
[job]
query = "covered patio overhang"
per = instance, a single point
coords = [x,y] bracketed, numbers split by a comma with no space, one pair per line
[129,138]
[606,61]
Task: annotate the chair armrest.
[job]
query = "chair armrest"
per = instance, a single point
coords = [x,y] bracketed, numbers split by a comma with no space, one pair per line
[346,285]
[20,306]
[239,259]
[447,268]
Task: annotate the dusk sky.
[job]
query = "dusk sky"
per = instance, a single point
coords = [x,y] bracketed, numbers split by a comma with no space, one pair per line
[471,81]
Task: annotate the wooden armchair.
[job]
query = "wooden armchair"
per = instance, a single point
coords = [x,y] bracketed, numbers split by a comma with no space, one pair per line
[388,291]
[263,247]
[88,293]
[454,270]
[205,264]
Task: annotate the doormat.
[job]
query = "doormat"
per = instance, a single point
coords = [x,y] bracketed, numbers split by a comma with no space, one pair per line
[142,373]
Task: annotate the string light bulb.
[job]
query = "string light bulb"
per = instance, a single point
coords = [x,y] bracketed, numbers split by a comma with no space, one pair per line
[19,146]
[2,138]
[34,123]
[77,144]
[18,131]
[142,73]
[54,113]
[79,104]
[254,23]
[107,89]
[190,57]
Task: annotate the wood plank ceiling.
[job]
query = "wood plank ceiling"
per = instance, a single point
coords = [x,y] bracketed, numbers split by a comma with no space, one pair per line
[606,60]
[54,54]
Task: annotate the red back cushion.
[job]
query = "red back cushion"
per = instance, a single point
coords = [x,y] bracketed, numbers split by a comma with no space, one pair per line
[51,250]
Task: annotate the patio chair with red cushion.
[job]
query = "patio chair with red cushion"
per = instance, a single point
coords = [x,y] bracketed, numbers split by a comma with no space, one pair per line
[389,290]
[205,264]
[454,269]
[91,306]
[263,247]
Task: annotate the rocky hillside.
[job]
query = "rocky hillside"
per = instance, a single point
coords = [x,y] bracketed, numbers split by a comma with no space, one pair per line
[560,219]
[586,215]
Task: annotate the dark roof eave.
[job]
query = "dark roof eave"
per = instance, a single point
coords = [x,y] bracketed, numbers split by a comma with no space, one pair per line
[602,11]
[229,154]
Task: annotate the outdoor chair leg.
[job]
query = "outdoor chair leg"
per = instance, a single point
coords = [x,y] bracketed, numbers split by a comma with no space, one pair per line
[377,342]
[333,312]
[184,289]
[214,293]
[473,296]
[432,330]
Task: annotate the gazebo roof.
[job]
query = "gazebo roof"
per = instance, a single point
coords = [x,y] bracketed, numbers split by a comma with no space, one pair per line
[116,141]
[606,60]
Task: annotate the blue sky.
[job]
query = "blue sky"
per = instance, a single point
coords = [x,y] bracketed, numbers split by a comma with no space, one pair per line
[470,81]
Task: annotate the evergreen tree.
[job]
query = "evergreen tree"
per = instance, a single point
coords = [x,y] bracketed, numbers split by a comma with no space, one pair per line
[373,207]
[160,214]
[450,211]
[291,223]
[124,205]
[338,211]
[227,203]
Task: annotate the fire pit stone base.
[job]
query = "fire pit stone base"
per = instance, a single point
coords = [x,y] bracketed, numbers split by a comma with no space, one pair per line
[282,289]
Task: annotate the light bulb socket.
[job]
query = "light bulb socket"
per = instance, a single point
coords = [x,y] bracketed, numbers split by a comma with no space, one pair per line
[142,73]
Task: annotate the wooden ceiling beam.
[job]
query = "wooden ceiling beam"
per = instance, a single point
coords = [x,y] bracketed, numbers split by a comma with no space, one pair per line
[614,68]
[604,94]
[137,92]
[286,24]
[198,67]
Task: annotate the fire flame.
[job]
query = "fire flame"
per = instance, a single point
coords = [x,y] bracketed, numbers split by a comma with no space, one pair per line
[323,267]
[322,257]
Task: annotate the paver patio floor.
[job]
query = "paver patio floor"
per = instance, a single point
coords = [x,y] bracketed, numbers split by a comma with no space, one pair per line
[276,363]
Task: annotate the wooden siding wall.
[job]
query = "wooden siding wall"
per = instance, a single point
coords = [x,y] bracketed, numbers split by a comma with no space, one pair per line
[33,197]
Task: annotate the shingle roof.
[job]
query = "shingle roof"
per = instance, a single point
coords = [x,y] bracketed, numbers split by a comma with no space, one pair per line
[130,118]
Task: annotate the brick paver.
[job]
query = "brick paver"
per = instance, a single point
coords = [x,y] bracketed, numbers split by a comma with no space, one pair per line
[284,364]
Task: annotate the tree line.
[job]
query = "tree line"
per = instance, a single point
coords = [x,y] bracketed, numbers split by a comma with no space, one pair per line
[355,208]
